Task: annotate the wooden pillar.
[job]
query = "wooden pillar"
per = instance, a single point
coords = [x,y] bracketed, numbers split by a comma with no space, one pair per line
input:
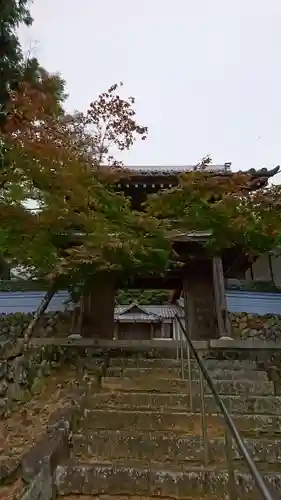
[177,332]
[162,329]
[75,325]
[174,326]
[116,329]
[224,326]
[199,300]
[98,310]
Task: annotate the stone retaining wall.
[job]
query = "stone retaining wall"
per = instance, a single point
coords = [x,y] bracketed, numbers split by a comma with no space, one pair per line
[22,374]
[253,326]
[58,324]
[55,324]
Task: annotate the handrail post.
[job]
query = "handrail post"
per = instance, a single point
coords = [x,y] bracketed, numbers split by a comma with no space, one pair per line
[189,378]
[182,354]
[233,493]
[203,419]
[177,332]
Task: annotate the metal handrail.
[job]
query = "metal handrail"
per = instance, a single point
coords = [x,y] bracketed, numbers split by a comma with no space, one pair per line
[259,481]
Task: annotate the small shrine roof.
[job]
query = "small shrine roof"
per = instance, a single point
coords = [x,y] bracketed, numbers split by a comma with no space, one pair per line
[152,313]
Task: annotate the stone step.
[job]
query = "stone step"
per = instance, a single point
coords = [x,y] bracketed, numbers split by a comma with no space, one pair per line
[166,447]
[180,402]
[139,362]
[133,479]
[250,425]
[175,372]
[175,385]
[92,365]
[127,497]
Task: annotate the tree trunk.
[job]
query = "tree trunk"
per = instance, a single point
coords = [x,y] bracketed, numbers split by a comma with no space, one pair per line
[98,308]
[199,301]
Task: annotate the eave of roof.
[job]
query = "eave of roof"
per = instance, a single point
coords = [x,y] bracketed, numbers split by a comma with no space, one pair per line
[168,171]
[132,172]
[263,172]
[158,312]
[137,317]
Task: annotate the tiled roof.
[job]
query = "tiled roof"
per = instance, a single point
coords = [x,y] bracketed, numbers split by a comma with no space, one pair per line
[165,311]
[162,311]
[263,172]
[131,317]
[158,170]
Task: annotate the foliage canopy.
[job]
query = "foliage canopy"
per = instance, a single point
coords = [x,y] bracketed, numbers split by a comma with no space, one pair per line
[58,161]
[15,67]
[225,205]
[69,165]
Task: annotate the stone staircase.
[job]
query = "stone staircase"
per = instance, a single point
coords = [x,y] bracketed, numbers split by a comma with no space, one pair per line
[137,436]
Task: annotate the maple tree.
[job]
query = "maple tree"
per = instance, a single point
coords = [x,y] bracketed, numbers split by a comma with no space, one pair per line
[83,226]
[58,161]
[62,162]
[15,69]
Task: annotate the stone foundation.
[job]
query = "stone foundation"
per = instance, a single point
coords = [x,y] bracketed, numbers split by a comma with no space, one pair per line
[56,324]
[22,375]
[252,326]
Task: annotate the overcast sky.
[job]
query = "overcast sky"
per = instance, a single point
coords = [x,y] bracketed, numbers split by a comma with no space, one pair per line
[206,74]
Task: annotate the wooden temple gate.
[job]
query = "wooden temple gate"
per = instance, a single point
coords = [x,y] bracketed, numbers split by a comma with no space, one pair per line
[201,279]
